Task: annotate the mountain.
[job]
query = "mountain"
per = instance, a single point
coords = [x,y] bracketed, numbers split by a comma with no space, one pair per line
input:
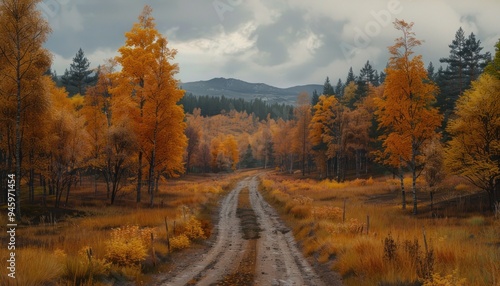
[235,88]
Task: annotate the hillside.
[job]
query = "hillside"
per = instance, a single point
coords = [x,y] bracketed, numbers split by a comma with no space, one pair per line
[235,88]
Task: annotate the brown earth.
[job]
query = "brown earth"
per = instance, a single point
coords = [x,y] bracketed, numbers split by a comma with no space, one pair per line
[252,246]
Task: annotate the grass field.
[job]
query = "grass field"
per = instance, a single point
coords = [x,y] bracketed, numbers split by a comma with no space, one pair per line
[375,242]
[89,242]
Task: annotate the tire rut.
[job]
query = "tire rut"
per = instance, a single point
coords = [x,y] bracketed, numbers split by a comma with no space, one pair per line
[274,251]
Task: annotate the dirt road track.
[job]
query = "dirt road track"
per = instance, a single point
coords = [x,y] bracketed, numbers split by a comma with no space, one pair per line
[278,260]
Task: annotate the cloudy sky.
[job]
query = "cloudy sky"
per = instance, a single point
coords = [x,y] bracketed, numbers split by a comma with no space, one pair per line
[278,42]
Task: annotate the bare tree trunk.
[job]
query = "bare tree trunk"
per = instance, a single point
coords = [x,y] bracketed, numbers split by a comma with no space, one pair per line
[403,192]
[139,178]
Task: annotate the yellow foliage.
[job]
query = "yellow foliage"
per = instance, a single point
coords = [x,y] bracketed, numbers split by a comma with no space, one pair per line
[448,280]
[352,226]
[179,242]
[128,245]
[473,151]
[327,212]
[193,229]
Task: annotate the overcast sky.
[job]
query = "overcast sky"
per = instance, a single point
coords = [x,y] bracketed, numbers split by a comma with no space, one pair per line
[281,43]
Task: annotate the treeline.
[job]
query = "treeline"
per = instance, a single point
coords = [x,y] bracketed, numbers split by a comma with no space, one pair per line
[407,119]
[128,127]
[214,105]
[112,125]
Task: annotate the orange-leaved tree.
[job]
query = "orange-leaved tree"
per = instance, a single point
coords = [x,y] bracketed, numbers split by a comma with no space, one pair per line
[405,110]
[23,60]
[324,132]
[474,150]
[147,84]
[301,143]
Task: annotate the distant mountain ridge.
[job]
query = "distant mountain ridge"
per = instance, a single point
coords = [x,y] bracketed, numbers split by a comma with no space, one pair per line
[236,88]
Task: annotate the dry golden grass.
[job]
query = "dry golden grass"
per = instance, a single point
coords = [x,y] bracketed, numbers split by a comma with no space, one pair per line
[463,250]
[58,253]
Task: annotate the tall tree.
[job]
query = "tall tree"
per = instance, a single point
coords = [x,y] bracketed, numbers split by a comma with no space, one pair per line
[339,88]
[23,62]
[147,82]
[193,134]
[327,87]
[315,98]
[493,67]
[325,133]
[78,78]
[303,118]
[464,64]
[430,72]
[281,141]
[475,61]
[474,149]
[350,77]
[367,74]
[405,109]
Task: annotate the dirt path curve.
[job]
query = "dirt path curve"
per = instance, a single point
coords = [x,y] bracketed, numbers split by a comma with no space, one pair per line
[278,261]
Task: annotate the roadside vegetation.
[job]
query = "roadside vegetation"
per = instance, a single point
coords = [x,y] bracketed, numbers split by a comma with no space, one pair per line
[90,242]
[375,242]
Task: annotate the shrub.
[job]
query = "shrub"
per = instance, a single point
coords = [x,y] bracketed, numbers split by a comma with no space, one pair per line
[193,229]
[179,242]
[128,245]
[327,212]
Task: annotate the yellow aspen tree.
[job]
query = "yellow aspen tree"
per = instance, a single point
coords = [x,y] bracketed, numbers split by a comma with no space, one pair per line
[281,143]
[23,60]
[193,134]
[95,109]
[357,135]
[405,110]
[322,132]
[231,151]
[67,141]
[303,117]
[474,149]
[135,59]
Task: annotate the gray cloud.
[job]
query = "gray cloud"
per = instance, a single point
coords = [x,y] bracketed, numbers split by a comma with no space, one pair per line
[276,42]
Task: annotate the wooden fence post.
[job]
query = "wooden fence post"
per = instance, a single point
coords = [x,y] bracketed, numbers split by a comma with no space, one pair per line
[168,235]
[343,212]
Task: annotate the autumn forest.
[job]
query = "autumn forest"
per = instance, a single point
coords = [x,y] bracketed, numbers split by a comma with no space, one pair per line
[122,134]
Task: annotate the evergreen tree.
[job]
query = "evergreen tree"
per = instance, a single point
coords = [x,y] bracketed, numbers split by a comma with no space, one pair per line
[367,74]
[327,87]
[464,64]
[475,61]
[381,77]
[79,77]
[430,72]
[454,74]
[248,159]
[339,89]
[315,98]
[376,79]
[350,77]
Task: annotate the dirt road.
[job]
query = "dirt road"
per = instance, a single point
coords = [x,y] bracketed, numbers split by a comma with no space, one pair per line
[253,247]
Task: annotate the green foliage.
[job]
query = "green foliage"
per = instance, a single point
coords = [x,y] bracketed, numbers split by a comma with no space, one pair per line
[79,77]
[493,68]
[214,105]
